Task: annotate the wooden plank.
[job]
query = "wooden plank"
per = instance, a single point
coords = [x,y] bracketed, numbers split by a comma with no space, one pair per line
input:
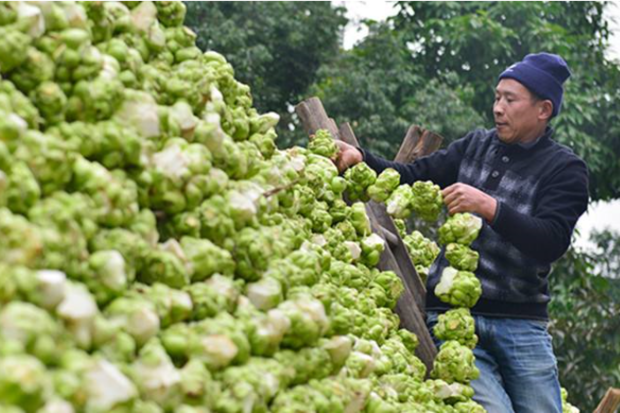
[403,258]
[418,142]
[347,135]
[411,140]
[411,277]
[410,306]
[313,117]
[383,223]
[389,236]
[411,318]
[610,402]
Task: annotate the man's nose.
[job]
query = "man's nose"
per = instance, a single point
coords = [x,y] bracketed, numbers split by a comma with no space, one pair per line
[498,109]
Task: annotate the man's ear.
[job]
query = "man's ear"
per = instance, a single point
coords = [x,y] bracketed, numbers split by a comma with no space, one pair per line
[546,109]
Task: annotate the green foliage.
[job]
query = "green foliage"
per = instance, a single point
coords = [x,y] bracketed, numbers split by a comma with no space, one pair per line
[379,88]
[476,41]
[584,312]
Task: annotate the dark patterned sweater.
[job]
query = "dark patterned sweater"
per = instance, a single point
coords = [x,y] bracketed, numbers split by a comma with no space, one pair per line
[541,189]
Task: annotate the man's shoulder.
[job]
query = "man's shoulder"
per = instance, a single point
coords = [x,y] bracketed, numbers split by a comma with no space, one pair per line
[565,150]
[563,163]
[565,155]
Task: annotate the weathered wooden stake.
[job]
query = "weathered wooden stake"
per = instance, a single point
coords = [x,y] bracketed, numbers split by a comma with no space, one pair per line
[610,402]
[410,306]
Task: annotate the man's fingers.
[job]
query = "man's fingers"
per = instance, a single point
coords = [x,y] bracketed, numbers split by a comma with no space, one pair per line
[450,197]
[342,145]
[340,165]
[448,190]
[453,209]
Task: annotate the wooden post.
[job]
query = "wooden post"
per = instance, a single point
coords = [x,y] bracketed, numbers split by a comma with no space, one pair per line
[410,306]
[610,402]
[418,142]
[314,117]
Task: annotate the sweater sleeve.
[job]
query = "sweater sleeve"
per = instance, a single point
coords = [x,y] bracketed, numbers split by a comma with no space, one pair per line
[546,235]
[441,166]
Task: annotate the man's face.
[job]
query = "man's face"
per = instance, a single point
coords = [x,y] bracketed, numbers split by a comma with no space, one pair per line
[519,117]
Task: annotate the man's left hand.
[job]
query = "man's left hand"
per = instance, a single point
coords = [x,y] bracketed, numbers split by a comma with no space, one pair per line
[465,198]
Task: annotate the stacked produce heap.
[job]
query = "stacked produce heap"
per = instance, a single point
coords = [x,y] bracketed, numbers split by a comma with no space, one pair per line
[159,253]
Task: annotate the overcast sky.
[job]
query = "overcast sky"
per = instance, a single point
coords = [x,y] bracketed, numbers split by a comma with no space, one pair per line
[599,215]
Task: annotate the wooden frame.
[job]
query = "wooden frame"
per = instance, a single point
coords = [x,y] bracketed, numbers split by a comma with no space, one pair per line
[417,143]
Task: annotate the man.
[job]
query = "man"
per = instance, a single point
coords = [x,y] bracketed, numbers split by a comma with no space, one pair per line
[530,192]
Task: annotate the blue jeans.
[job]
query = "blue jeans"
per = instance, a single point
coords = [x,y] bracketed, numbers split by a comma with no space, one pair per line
[518,370]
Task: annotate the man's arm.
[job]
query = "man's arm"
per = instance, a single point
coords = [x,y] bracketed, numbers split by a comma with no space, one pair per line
[546,235]
[441,166]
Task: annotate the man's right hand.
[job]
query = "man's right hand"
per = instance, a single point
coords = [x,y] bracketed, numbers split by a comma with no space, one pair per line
[348,156]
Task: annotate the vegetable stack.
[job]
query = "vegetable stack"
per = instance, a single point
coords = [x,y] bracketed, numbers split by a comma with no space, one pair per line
[159,253]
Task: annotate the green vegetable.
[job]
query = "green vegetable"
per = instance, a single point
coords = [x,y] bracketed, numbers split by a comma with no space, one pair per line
[157,378]
[566,406]
[22,190]
[461,228]
[399,204]
[264,331]
[51,102]
[165,267]
[469,406]
[401,226]
[206,258]
[308,321]
[13,48]
[322,143]
[458,288]
[359,178]
[386,183]
[35,69]
[457,324]
[265,293]
[171,13]
[217,294]
[462,257]
[31,329]
[108,277]
[372,247]
[427,200]
[171,305]
[136,315]
[359,220]
[455,363]
[386,288]
[450,393]
[23,382]
[422,250]
[252,385]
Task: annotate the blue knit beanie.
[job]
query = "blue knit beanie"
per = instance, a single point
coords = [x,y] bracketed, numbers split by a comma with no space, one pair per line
[543,74]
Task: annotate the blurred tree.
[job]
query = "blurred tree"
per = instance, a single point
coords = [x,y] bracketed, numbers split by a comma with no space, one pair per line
[275,47]
[381,90]
[585,325]
[478,40]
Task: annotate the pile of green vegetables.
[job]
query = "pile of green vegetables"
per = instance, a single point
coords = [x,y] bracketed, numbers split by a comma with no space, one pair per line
[159,253]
